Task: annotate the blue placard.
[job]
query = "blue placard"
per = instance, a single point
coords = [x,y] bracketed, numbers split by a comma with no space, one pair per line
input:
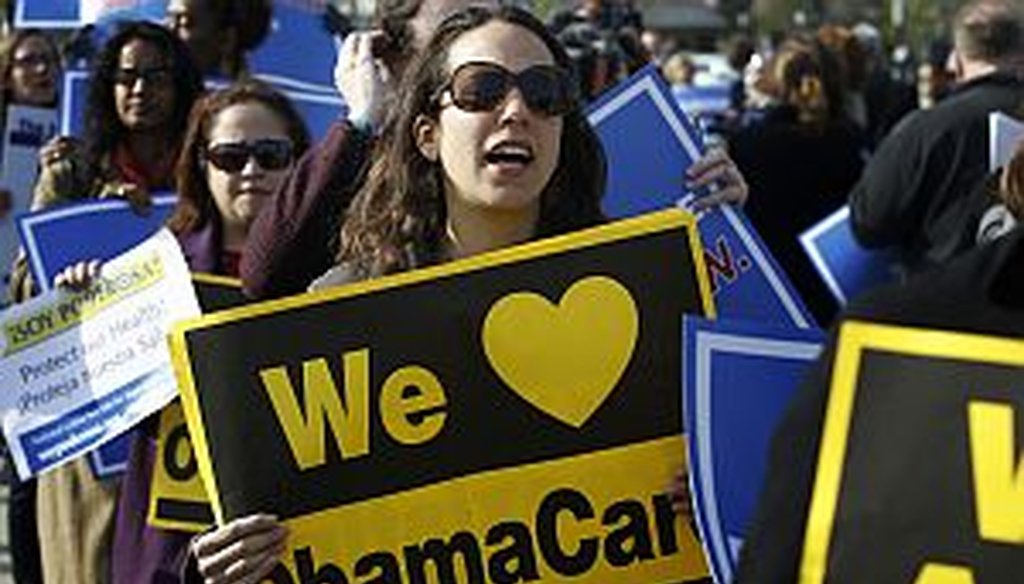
[299,52]
[738,378]
[56,238]
[47,13]
[97,229]
[847,268]
[649,143]
[75,13]
[703,99]
[746,281]
[73,97]
[318,110]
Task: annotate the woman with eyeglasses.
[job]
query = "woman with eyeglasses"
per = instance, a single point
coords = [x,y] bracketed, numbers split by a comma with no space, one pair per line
[29,70]
[486,148]
[240,144]
[142,87]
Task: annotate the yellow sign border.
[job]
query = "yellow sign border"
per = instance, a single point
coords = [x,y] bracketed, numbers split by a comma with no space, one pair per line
[855,337]
[649,224]
[215,279]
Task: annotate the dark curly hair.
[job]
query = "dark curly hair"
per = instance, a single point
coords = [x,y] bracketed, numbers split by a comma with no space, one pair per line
[196,207]
[103,127]
[397,219]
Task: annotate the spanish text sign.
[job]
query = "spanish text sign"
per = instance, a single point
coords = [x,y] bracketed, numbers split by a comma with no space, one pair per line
[80,368]
[919,472]
[513,416]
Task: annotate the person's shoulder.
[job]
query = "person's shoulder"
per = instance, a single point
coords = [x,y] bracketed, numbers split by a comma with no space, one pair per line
[339,275]
[945,296]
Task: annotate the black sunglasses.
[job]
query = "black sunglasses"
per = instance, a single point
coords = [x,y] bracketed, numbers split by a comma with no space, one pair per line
[270,154]
[481,86]
[130,77]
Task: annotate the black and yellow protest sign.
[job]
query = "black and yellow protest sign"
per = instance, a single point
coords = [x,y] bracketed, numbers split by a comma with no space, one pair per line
[511,417]
[920,475]
[178,499]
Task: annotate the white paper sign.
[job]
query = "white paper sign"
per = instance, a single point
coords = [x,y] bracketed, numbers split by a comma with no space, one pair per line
[28,128]
[80,368]
[1003,134]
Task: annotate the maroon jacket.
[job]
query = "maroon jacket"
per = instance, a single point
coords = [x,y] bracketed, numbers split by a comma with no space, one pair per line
[295,238]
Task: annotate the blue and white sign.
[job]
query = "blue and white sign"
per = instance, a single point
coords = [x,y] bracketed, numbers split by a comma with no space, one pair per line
[56,238]
[76,13]
[97,229]
[318,110]
[73,98]
[81,368]
[738,378]
[699,100]
[649,143]
[28,129]
[299,51]
[847,268]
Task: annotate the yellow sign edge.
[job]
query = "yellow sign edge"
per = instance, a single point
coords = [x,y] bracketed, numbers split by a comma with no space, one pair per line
[602,234]
[855,337]
[207,278]
[180,362]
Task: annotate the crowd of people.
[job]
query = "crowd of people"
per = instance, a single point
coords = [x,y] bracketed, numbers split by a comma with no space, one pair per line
[465,133]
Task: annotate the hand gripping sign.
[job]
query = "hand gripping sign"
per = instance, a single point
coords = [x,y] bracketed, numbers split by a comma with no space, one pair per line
[79,368]
[649,144]
[512,416]
[920,476]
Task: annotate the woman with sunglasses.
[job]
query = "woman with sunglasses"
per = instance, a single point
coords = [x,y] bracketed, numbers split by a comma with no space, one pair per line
[486,148]
[240,144]
[142,87]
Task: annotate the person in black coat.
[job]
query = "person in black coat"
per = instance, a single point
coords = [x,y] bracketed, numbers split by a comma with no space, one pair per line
[981,291]
[800,157]
[916,192]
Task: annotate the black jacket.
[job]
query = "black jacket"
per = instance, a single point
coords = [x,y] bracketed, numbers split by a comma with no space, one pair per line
[980,292]
[916,192]
[797,176]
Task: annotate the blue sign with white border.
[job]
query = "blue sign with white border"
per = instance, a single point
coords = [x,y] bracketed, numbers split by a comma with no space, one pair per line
[76,13]
[56,238]
[649,143]
[738,378]
[318,110]
[847,268]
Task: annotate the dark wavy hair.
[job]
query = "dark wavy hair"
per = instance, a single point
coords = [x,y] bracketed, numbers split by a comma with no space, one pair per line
[392,17]
[196,207]
[248,20]
[397,219]
[103,127]
[10,43]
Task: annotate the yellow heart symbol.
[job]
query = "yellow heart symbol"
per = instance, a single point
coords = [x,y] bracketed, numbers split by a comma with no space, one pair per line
[565,359]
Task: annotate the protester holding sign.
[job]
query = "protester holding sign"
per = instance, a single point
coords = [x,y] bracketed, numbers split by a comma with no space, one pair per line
[142,89]
[488,148]
[240,144]
[979,292]
[29,68]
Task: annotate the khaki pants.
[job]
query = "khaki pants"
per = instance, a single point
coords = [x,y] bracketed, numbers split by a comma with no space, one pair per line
[76,514]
